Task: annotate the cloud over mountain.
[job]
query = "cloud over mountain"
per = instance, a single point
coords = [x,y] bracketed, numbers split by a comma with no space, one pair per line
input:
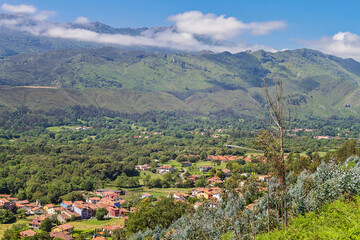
[189,28]
[220,27]
[343,44]
[19,8]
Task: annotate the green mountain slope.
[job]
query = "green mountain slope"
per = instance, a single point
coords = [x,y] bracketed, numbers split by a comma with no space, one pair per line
[338,220]
[315,83]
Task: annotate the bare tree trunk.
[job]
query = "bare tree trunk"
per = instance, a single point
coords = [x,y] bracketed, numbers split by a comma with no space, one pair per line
[268,204]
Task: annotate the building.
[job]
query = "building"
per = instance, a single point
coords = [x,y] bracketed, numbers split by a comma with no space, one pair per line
[144,167]
[93,200]
[27,233]
[205,168]
[264,178]
[113,211]
[227,172]
[63,228]
[61,235]
[146,195]
[165,169]
[180,196]
[66,204]
[212,181]
[185,164]
[36,222]
[50,209]
[111,228]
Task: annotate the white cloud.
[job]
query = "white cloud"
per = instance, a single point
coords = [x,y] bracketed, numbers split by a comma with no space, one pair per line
[183,36]
[19,8]
[82,20]
[342,44]
[44,15]
[220,27]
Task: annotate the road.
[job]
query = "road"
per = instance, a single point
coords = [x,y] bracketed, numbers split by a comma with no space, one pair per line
[182,174]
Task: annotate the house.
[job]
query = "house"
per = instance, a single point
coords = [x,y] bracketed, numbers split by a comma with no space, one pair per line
[227,172]
[216,195]
[61,235]
[50,208]
[93,200]
[66,204]
[82,209]
[63,228]
[205,168]
[180,196]
[102,192]
[204,194]
[214,180]
[245,175]
[36,222]
[196,191]
[146,195]
[213,204]
[264,178]
[193,177]
[4,202]
[118,203]
[111,228]
[165,169]
[113,211]
[63,218]
[70,213]
[111,195]
[27,233]
[144,167]
[36,211]
[5,196]
[185,164]
[124,211]
[248,158]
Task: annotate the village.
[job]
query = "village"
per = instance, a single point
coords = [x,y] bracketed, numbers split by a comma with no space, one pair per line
[113,201]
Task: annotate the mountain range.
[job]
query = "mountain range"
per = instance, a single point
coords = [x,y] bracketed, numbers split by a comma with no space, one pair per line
[43,73]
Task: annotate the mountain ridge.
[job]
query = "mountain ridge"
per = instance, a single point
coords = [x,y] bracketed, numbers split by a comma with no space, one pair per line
[315,83]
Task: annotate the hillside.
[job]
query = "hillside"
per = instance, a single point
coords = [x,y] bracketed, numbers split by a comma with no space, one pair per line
[315,83]
[335,221]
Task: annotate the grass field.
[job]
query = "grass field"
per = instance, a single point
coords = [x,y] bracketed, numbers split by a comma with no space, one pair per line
[4,227]
[92,224]
[156,192]
[61,128]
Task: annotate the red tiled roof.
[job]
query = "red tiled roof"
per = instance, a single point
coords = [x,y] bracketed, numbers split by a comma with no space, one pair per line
[28,233]
[65,227]
[112,227]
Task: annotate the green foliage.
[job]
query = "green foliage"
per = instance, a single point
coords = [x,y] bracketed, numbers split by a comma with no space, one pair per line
[162,214]
[46,225]
[101,213]
[13,232]
[6,216]
[219,81]
[336,221]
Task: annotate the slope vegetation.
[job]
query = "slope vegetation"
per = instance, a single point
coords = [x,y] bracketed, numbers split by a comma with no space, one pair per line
[315,83]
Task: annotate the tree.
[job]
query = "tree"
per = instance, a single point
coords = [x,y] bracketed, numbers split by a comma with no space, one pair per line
[46,225]
[272,140]
[6,216]
[100,213]
[220,174]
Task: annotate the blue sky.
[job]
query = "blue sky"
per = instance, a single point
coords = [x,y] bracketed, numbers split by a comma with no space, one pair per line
[329,26]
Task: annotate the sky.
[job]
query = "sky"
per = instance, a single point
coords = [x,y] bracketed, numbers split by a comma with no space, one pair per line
[228,25]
